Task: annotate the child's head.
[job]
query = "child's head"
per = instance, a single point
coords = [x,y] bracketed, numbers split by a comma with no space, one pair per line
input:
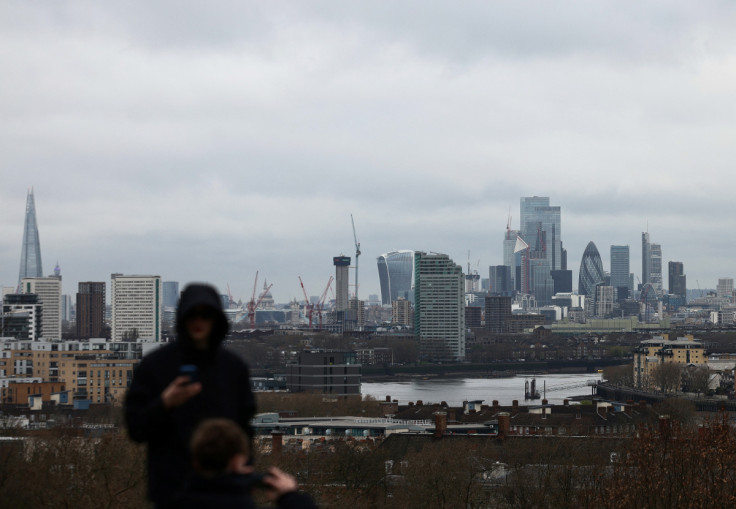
[215,443]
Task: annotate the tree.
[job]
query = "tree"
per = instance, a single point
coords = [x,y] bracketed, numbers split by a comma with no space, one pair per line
[667,376]
[696,379]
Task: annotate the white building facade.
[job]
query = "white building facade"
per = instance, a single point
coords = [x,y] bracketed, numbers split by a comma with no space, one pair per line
[136,307]
[48,290]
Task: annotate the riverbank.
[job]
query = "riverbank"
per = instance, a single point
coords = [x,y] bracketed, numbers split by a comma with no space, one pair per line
[491,370]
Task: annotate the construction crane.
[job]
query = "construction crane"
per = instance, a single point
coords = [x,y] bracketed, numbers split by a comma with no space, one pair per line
[253,303]
[308,306]
[357,254]
[321,301]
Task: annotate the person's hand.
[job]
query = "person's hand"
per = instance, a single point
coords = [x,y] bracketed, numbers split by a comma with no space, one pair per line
[180,391]
[278,483]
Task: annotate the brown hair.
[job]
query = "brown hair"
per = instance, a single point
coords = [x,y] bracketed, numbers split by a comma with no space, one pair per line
[215,442]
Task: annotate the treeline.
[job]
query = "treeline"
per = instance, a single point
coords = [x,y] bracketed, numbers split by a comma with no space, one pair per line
[667,465]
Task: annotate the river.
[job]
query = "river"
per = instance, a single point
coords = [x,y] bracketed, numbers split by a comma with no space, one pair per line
[456,390]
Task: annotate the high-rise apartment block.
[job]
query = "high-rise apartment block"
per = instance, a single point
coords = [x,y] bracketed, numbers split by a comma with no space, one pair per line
[725,287]
[401,312]
[136,307]
[30,255]
[677,280]
[396,275]
[48,290]
[439,307]
[342,281]
[90,309]
[21,316]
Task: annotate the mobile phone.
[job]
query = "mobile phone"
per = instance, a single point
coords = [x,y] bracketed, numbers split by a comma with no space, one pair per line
[189,370]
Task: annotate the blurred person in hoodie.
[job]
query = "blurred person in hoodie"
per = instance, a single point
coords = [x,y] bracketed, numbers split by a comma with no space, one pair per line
[179,385]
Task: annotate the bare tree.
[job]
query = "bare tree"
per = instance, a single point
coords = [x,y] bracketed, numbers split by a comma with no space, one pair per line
[667,377]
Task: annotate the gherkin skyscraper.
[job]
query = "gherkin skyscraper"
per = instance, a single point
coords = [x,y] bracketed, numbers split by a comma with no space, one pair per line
[30,255]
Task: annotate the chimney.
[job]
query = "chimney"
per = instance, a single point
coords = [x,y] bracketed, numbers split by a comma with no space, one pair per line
[411,403]
[504,424]
[420,402]
[544,402]
[515,406]
[277,441]
[388,399]
[495,404]
[440,424]
[451,415]
[566,402]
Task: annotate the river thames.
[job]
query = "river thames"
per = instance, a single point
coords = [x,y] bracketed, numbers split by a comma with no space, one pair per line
[456,390]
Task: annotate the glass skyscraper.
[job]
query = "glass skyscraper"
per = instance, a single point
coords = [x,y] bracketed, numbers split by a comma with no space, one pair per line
[541,228]
[620,268]
[591,274]
[396,275]
[30,255]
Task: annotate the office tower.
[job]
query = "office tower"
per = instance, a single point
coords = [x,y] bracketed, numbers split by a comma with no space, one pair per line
[725,287]
[510,258]
[342,276]
[498,312]
[171,294]
[541,228]
[439,307]
[67,308]
[30,254]
[500,280]
[645,255]
[562,280]
[590,276]
[136,307]
[401,312]
[677,280]
[22,316]
[90,309]
[655,267]
[396,275]
[620,271]
[48,290]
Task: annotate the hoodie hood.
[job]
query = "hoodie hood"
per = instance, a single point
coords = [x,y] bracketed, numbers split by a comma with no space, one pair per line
[193,296]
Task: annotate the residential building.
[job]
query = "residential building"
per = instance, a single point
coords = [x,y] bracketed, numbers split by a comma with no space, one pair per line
[652,353]
[473,317]
[97,370]
[401,312]
[21,317]
[30,255]
[48,290]
[342,281]
[724,290]
[325,371]
[358,307]
[396,275]
[90,309]
[604,301]
[439,307]
[136,307]
[498,313]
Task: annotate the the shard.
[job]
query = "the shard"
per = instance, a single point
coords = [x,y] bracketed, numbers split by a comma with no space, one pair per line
[30,256]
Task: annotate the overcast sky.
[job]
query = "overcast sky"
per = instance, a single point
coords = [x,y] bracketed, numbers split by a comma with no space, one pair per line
[208,140]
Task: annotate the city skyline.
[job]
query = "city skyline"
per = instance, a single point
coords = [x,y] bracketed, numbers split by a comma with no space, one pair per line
[234,138]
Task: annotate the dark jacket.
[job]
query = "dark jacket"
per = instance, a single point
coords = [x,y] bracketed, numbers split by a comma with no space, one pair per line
[232,491]
[225,393]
